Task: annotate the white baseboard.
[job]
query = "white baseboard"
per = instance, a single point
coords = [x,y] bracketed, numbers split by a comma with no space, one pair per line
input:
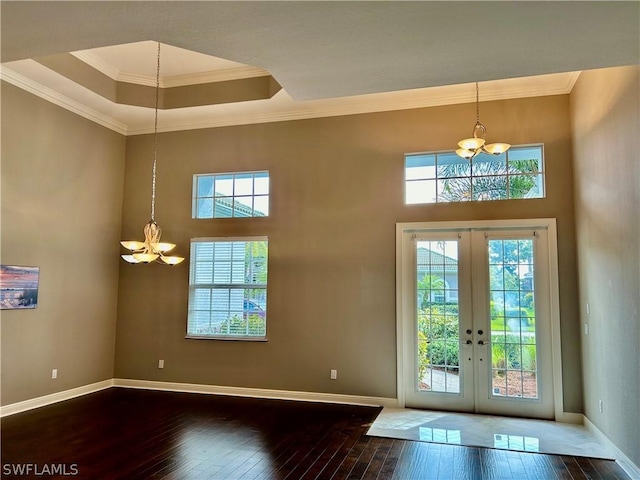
[570,417]
[32,403]
[627,465]
[257,392]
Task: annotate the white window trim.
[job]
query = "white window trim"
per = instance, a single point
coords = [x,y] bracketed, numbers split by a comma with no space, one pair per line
[195,197]
[245,338]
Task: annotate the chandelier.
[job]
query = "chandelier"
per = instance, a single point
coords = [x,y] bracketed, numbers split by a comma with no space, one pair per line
[152,249]
[470,147]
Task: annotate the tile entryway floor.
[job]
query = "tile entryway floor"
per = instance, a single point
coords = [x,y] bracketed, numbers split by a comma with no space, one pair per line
[489,431]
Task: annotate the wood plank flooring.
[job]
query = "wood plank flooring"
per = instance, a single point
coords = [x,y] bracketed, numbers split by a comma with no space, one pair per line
[137,434]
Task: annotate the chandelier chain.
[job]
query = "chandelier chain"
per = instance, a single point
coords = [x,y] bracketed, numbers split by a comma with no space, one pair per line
[476,144]
[151,249]
[477,104]
[155,141]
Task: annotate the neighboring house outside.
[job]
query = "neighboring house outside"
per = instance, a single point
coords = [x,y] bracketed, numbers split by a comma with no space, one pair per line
[441,266]
[227,207]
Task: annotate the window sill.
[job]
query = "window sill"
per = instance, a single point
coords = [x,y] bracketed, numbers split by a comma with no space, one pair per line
[235,339]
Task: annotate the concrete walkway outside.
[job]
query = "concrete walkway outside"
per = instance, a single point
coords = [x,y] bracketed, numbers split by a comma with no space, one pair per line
[442,381]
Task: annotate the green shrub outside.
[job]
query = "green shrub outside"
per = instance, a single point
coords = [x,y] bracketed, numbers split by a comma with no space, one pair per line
[238,326]
[438,340]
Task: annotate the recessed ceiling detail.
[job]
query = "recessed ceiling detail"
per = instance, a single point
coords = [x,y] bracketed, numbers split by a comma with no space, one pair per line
[135,63]
[39,80]
[137,87]
[331,58]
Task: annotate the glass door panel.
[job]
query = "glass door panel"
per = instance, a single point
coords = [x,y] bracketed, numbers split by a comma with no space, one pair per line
[477,333]
[441,314]
[513,325]
[437,314]
[511,280]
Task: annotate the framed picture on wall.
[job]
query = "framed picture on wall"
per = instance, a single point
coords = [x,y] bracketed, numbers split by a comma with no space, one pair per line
[18,287]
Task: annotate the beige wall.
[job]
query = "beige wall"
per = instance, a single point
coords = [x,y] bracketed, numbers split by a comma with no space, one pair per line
[335,199]
[336,195]
[62,178]
[605,113]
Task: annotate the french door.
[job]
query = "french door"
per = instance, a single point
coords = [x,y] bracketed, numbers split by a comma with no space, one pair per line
[476,332]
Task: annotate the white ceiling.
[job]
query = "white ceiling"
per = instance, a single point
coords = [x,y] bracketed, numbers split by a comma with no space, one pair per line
[331,58]
[140,59]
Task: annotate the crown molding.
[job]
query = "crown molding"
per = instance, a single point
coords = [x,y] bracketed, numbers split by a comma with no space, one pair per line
[552,84]
[286,109]
[57,98]
[379,102]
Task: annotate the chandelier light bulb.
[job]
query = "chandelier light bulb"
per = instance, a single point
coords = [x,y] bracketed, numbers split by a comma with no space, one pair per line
[172,260]
[497,148]
[145,257]
[471,143]
[461,152]
[132,245]
[163,247]
[130,259]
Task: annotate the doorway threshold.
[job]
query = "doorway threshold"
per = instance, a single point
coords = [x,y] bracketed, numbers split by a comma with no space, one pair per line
[489,431]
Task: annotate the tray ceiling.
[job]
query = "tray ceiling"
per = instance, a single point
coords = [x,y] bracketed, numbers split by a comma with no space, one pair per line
[331,58]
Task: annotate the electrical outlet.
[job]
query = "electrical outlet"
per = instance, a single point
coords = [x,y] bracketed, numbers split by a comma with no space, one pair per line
[334,374]
[160,363]
[586,329]
[601,406]
[54,373]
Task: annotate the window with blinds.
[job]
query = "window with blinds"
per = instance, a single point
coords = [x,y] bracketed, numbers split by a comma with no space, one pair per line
[228,288]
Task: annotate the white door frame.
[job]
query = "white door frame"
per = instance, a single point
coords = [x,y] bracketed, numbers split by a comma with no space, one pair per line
[402,310]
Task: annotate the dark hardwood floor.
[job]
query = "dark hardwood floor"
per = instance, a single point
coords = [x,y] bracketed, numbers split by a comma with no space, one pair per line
[136,434]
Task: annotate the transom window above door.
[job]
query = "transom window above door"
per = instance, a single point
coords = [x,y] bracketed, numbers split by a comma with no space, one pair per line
[227,195]
[439,177]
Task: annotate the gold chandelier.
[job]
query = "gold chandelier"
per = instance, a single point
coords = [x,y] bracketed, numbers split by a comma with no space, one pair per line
[152,249]
[470,147]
